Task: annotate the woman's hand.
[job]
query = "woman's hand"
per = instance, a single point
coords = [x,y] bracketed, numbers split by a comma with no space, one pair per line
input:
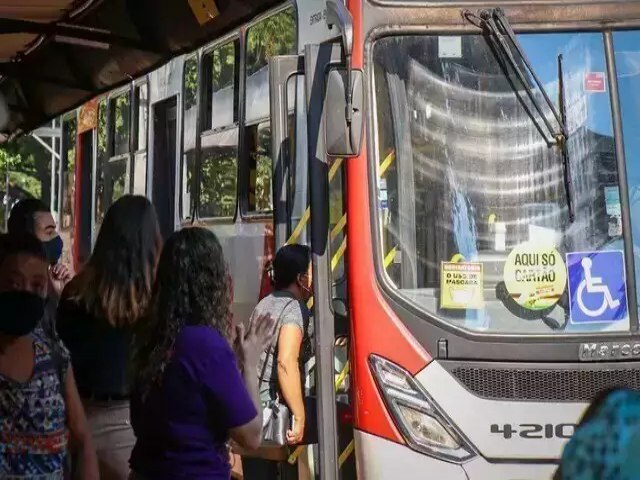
[295,435]
[60,275]
[250,345]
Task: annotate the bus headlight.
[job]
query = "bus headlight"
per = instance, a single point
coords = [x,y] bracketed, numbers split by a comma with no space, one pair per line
[422,425]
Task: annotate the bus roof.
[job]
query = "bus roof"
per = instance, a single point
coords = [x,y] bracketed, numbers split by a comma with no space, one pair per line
[58,54]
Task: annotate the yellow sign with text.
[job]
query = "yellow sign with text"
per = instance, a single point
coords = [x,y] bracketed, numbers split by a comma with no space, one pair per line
[535,275]
[461,285]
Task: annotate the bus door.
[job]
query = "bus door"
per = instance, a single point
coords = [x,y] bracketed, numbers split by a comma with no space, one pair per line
[324,74]
[83,174]
[164,163]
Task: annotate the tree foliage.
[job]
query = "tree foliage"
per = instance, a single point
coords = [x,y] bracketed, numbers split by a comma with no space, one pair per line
[29,165]
[275,35]
[218,174]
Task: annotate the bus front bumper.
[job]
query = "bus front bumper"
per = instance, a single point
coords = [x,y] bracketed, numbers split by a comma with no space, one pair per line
[378,458]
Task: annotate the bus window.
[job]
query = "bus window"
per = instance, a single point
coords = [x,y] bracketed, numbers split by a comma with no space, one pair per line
[101,160]
[221,97]
[113,154]
[627,48]
[275,35]
[464,175]
[258,138]
[142,115]
[120,124]
[67,173]
[190,108]
[218,174]
[218,171]
[139,170]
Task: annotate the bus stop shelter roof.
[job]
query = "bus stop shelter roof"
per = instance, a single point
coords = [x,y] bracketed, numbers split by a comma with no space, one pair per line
[57,54]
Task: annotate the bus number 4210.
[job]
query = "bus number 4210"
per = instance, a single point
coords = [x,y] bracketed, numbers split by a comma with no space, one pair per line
[533,430]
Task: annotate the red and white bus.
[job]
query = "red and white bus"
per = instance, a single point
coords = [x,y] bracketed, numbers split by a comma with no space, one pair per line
[467,174]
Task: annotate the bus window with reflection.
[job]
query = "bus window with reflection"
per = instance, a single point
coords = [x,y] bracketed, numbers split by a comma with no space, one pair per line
[274,35]
[218,170]
[113,158]
[139,169]
[221,65]
[142,115]
[190,117]
[120,127]
[258,138]
[627,52]
[218,174]
[471,199]
[101,160]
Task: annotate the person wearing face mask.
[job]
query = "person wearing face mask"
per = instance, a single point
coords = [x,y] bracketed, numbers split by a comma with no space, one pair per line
[281,370]
[32,216]
[40,408]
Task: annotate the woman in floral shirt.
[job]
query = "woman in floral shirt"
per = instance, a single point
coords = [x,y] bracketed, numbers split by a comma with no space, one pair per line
[40,410]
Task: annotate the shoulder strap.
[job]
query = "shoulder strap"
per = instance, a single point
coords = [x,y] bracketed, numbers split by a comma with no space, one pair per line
[274,341]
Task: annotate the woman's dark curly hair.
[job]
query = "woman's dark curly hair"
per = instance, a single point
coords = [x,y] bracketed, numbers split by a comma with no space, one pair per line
[192,287]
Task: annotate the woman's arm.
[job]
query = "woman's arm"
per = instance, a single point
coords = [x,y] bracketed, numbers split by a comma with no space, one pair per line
[249,435]
[289,342]
[79,430]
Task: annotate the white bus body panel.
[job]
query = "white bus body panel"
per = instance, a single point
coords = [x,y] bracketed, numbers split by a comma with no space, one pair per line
[381,459]
[473,416]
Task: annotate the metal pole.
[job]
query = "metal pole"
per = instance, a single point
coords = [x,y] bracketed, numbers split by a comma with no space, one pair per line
[622,180]
[317,58]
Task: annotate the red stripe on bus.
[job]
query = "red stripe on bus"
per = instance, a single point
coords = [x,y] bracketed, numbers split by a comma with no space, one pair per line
[374,326]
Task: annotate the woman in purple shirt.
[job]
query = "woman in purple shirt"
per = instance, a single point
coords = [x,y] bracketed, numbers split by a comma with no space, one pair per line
[189,395]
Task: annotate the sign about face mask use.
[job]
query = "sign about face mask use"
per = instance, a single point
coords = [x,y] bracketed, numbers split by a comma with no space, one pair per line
[535,275]
[461,285]
[597,287]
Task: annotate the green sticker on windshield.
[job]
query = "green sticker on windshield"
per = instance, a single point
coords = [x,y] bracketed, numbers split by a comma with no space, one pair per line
[535,275]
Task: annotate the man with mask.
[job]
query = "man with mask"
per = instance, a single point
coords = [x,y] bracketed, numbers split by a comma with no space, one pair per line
[32,216]
[36,431]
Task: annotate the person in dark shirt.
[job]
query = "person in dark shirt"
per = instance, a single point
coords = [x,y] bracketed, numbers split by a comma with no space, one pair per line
[96,316]
[33,216]
[189,396]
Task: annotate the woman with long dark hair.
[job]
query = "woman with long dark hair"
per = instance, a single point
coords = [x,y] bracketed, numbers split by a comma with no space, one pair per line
[96,316]
[189,395]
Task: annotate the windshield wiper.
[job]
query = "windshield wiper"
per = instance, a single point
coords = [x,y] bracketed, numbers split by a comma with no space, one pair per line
[566,166]
[498,30]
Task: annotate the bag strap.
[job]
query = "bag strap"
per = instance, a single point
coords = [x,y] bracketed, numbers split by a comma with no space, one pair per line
[274,342]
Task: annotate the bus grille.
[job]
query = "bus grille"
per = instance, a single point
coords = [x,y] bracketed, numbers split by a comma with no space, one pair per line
[544,384]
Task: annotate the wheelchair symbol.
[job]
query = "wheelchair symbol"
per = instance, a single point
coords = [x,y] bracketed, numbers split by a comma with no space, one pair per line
[594,285]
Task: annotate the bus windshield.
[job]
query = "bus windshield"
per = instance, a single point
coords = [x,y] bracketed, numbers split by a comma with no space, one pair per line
[471,197]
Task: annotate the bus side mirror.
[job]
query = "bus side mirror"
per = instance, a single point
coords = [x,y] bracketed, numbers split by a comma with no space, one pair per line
[343,136]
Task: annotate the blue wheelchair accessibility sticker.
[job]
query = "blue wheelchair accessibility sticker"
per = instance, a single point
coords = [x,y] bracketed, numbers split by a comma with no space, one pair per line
[597,287]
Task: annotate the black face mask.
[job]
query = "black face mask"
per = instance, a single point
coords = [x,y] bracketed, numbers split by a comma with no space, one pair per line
[53,249]
[21,312]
